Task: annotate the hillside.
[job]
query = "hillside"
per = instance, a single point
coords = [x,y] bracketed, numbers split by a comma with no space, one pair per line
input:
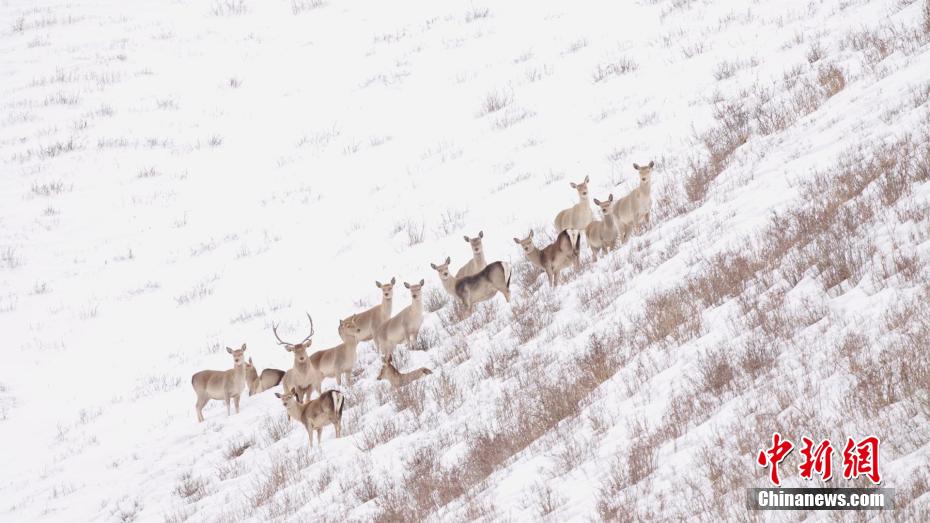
[178,177]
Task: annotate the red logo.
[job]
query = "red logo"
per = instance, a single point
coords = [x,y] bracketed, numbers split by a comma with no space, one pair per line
[819,461]
[774,455]
[859,459]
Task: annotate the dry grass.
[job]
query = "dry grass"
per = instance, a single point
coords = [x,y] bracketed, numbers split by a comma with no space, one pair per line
[190,489]
[495,101]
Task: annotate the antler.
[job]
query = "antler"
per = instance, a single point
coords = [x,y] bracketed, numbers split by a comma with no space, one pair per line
[311,328]
[274,329]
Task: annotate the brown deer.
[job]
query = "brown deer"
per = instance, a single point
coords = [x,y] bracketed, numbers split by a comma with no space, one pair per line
[602,234]
[302,376]
[477,287]
[579,215]
[268,379]
[338,361]
[633,209]
[369,320]
[477,262]
[315,414]
[221,384]
[554,257]
[397,378]
[405,326]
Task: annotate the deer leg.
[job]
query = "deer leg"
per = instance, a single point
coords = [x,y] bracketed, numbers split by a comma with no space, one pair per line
[319,436]
[201,401]
[236,399]
[338,427]
[226,398]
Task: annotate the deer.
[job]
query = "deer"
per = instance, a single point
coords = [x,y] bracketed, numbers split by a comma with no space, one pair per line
[477,287]
[633,208]
[221,384]
[477,262]
[369,320]
[400,379]
[302,376]
[602,234]
[268,379]
[556,256]
[579,215]
[405,326]
[338,361]
[315,414]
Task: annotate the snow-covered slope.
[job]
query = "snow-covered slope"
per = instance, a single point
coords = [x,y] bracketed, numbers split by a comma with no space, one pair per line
[177,177]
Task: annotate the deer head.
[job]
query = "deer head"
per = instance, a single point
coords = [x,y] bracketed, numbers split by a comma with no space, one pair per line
[299,349]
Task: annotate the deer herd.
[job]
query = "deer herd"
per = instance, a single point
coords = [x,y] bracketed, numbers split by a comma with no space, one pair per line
[474,282]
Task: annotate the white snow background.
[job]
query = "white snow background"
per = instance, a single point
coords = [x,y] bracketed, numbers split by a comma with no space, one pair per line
[175,177]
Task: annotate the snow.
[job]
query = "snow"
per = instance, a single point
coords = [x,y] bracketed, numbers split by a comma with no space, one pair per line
[177,177]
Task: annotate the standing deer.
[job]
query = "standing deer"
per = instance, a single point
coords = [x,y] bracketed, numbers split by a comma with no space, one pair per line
[405,326]
[339,360]
[397,378]
[369,320]
[315,414]
[478,287]
[302,376]
[633,208]
[579,215]
[477,262]
[268,379]
[602,234]
[221,384]
[553,258]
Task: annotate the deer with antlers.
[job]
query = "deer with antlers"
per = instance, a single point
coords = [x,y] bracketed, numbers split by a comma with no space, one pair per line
[221,384]
[405,326]
[302,377]
[555,257]
[477,262]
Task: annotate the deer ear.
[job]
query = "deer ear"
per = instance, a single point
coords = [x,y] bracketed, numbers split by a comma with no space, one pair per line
[586,178]
[422,282]
[531,233]
[481,234]
[611,197]
[448,259]
[597,202]
[243,346]
[433,265]
[250,361]
[516,241]
[573,185]
[466,238]
[393,280]
[636,166]
[289,348]
[378,284]
[406,285]
[652,163]
[229,350]
[277,394]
